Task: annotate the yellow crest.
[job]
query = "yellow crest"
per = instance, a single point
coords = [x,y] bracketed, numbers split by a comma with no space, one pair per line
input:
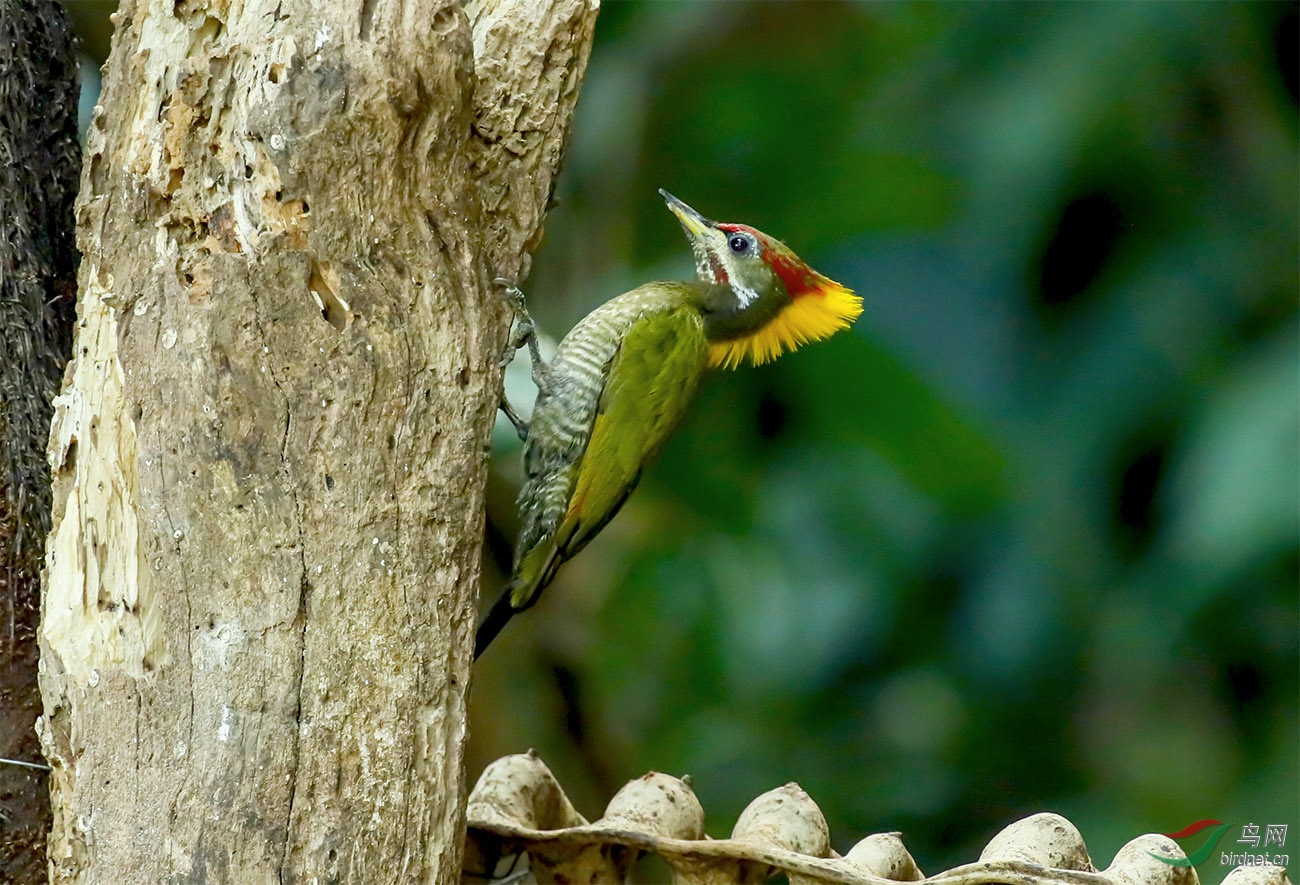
[822,308]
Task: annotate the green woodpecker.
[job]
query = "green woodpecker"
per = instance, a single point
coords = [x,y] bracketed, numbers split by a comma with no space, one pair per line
[621,381]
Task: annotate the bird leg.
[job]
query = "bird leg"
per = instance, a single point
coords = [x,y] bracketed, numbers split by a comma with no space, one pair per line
[521,426]
[524,333]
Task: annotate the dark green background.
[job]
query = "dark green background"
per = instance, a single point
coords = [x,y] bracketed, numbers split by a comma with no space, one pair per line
[1027,537]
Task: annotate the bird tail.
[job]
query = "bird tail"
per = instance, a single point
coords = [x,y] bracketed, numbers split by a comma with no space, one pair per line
[532,575]
[502,611]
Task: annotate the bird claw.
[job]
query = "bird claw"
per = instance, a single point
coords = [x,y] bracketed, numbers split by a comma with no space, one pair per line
[524,331]
[514,293]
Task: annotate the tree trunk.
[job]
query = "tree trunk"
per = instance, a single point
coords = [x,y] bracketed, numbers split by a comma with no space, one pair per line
[270,452]
[38,181]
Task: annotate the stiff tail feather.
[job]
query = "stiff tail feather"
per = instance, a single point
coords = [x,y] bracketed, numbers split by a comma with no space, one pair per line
[501,612]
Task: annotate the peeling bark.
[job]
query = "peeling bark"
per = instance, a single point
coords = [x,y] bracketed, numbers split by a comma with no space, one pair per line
[270,452]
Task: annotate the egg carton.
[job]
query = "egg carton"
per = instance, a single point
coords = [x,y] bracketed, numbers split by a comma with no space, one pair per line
[522,828]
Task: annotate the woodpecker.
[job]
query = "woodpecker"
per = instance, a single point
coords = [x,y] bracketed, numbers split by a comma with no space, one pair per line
[622,379]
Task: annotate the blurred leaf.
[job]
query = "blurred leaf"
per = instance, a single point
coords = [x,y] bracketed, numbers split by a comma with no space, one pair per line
[1236,485]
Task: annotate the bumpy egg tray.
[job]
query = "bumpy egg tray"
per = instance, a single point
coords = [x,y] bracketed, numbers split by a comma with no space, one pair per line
[522,828]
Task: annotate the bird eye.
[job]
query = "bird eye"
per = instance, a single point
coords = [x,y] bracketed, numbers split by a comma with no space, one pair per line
[739,243]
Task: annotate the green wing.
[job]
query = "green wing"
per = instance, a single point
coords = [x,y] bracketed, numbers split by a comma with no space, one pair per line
[651,382]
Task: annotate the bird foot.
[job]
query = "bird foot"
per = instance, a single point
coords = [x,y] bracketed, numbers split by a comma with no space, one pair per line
[524,331]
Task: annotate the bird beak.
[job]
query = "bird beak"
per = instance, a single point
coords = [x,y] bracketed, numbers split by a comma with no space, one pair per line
[696,224]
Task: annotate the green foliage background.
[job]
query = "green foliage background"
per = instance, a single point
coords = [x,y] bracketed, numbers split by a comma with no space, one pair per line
[1029,536]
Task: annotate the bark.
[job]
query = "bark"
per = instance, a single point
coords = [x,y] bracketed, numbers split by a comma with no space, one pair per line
[38,181]
[270,453]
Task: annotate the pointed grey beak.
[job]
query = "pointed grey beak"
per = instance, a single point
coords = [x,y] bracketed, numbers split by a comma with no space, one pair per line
[695,223]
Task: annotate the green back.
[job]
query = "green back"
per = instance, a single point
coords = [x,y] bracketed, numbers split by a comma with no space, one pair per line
[648,386]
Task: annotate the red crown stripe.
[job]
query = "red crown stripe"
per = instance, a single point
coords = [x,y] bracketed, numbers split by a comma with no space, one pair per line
[1192,829]
[798,278]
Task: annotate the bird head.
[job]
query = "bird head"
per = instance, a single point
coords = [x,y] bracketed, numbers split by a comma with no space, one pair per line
[763,299]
